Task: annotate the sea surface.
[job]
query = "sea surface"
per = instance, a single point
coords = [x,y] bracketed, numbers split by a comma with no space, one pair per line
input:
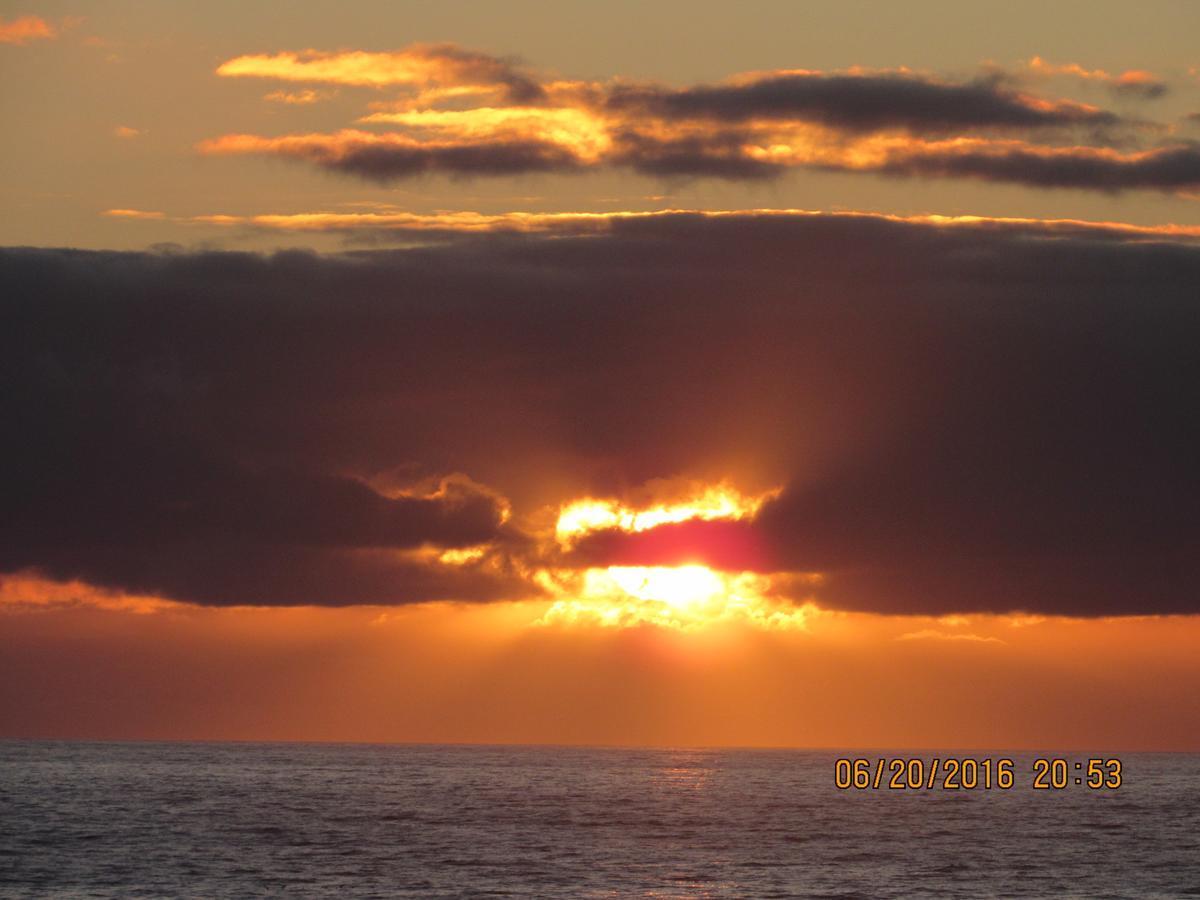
[316,820]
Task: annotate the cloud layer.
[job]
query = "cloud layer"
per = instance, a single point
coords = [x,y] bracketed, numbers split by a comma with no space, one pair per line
[984,416]
[464,113]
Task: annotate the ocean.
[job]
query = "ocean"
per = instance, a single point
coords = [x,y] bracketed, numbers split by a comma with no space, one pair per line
[92,819]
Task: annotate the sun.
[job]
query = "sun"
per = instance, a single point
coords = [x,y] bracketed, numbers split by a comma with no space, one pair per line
[684,597]
[680,587]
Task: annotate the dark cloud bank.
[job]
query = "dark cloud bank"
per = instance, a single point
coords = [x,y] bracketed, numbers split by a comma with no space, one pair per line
[967,418]
[860,103]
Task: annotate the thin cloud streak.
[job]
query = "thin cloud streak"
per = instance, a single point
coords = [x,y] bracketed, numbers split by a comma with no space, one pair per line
[468,223]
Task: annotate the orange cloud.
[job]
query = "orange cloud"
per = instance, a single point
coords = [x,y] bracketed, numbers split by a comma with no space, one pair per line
[515,141]
[133,214]
[456,222]
[932,634]
[419,66]
[756,125]
[30,592]
[581,131]
[577,223]
[24,29]
[1131,81]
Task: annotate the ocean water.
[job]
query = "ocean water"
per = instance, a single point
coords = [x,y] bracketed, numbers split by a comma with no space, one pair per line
[240,820]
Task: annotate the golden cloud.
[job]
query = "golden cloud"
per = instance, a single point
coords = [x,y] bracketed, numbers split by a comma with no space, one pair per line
[24,29]
[754,125]
[576,223]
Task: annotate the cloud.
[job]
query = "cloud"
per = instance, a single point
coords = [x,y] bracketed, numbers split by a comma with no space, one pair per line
[133,214]
[860,102]
[466,223]
[975,416]
[24,29]
[580,131]
[740,156]
[296,98]
[1132,82]
[721,155]
[386,157]
[448,224]
[228,573]
[756,126]
[1170,168]
[419,65]
[575,223]
[125,132]
[25,592]
[932,634]
[165,516]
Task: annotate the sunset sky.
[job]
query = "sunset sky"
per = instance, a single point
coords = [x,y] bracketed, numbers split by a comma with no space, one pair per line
[794,374]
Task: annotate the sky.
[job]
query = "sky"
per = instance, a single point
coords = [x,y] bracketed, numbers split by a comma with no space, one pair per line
[650,374]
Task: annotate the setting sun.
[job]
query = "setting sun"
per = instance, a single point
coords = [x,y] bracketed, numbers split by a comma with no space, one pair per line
[680,587]
[687,596]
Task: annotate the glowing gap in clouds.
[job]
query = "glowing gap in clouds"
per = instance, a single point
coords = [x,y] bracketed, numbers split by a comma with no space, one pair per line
[684,597]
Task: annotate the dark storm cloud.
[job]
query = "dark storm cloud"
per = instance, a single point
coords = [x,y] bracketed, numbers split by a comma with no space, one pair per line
[859,103]
[995,417]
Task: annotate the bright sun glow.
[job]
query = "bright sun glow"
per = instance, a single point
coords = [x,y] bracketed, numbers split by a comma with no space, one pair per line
[680,587]
[684,597]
